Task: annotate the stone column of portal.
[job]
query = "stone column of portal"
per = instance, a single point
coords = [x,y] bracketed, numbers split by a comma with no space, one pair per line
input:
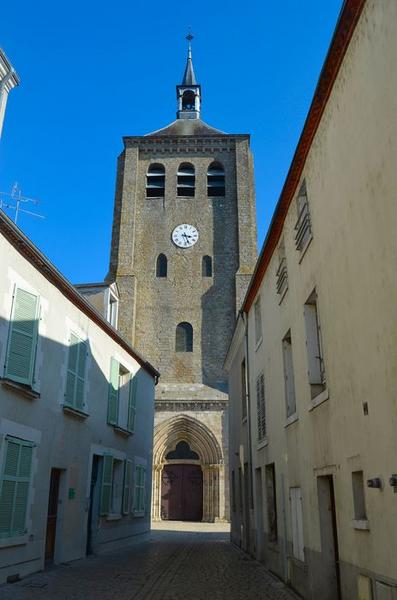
[215,495]
[157,493]
[206,493]
[221,476]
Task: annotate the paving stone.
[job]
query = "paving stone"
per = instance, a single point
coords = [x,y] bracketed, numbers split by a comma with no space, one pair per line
[179,561]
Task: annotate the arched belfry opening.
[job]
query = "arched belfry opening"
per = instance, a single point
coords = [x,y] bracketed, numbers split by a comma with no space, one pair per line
[188,471]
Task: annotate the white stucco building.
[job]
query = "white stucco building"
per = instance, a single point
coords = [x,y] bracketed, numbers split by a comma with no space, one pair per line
[313,362]
[8,80]
[76,419]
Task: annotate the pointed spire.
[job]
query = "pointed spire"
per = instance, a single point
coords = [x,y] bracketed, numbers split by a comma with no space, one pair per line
[189,77]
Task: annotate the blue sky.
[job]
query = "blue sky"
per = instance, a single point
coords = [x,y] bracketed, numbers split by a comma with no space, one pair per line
[92,72]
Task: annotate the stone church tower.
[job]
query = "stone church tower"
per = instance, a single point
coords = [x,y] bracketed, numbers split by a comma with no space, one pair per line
[183,250]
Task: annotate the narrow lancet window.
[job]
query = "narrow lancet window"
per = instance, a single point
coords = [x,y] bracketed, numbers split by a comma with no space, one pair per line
[184,338]
[161,266]
[207,266]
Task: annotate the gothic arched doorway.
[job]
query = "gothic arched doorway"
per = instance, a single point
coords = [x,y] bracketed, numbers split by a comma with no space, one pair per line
[182,485]
[188,471]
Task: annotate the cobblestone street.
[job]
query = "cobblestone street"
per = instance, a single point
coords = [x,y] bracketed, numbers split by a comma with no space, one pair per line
[195,562]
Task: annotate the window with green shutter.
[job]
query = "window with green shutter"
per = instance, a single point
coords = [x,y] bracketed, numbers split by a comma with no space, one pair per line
[22,339]
[75,379]
[127,487]
[14,486]
[107,484]
[113,399]
[139,492]
[132,403]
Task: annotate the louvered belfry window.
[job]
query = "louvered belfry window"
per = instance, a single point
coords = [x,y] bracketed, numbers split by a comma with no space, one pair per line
[186,181]
[14,486]
[155,181]
[215,180]
[75,380]
[22,339]
[261,408]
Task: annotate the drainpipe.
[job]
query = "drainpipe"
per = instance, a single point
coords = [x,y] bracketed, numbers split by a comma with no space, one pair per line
[247,397]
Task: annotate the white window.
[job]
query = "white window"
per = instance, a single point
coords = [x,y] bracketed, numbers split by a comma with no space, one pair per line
[258,320]
[316,368]
[75,377]
[139,489]
[303,226]
[113,307]
[22,337]
[123,390]
[290,399]
[295,496]
[15,478]
[261,407]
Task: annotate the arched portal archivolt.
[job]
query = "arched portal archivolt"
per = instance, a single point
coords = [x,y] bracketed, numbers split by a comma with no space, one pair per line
[202,441]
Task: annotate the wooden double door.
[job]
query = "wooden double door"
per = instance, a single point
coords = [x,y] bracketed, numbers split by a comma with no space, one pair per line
[182,493]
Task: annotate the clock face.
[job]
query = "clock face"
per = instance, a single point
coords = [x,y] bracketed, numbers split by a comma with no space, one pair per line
[184,235]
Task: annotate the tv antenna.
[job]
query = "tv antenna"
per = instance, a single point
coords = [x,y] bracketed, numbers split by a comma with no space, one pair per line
[15,200]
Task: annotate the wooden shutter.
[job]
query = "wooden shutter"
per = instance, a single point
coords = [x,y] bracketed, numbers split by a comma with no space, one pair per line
[132,403]
[113,400]
[15,483]
[107,483]
[313,349]
[22,337]
[297,523]
[260,406]
[127,486]
[74,394]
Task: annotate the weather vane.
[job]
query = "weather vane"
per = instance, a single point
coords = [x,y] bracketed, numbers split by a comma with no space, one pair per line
[189,36]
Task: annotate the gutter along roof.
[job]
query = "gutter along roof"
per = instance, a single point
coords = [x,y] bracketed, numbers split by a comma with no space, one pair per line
[32,254]
[344,30]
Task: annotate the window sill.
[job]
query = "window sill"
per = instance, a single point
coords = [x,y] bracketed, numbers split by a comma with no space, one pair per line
[304,249]
[360,524]
[300,564]
[319,399]
[258,343]
[138,513]
[22,388]
[122,431]
[113,517]
[18,540]
[74,412]
[291,419]
[262,444]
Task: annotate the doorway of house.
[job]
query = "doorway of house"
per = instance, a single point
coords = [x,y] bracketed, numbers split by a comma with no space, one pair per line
[182,492]
[93,509]
[52,515]
[330,576]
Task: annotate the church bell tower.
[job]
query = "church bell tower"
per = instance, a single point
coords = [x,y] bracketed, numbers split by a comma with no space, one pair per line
[183,251]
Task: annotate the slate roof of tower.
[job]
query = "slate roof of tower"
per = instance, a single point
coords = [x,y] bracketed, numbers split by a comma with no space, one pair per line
[187,127]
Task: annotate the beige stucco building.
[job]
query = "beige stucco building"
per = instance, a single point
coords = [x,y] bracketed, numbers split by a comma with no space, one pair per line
[76,418]
[312,365]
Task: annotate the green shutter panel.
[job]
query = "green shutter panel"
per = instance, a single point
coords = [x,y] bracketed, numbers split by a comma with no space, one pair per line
[79,397]
[107,480]
[132,403]
[22,337]
[113,400]
[14,491]
[127,487]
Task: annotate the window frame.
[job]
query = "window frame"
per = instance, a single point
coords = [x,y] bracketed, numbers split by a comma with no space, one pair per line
[188,341]
[151,177]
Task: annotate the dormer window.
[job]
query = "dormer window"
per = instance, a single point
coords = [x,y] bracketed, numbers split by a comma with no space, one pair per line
[186,180]
[155,181]
[215,180]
